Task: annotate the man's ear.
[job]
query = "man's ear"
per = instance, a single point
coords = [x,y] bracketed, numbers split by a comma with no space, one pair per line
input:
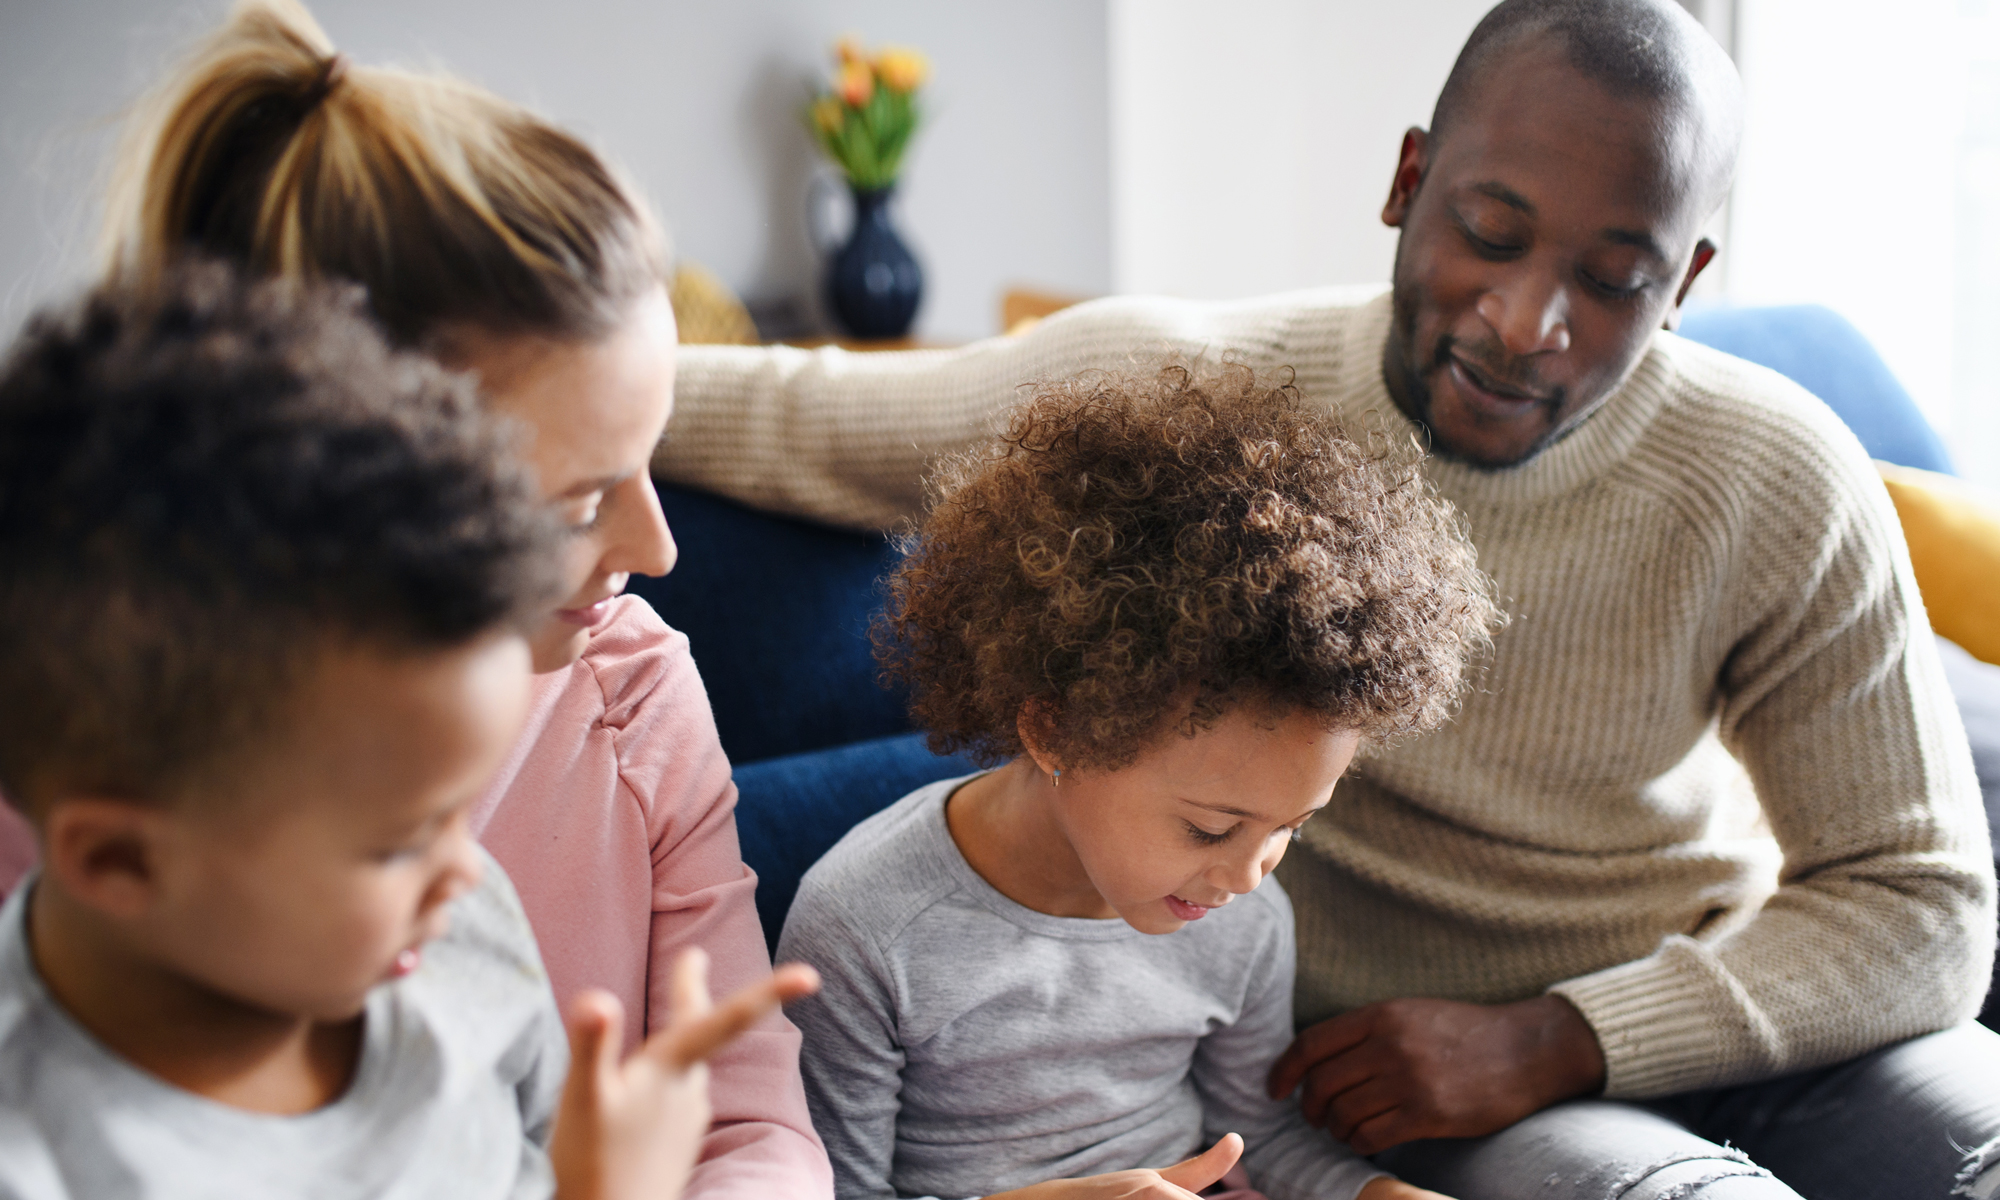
[1704,254]
[1410,165]
[105,854]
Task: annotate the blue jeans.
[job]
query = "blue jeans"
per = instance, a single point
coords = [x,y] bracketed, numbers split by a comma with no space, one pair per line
[1919,1120]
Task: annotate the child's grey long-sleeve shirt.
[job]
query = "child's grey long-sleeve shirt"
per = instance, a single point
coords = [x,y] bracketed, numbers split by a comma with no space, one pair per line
[461,1066]
[963,1044]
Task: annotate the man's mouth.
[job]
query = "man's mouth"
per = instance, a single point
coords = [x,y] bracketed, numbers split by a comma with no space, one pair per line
[1488,393]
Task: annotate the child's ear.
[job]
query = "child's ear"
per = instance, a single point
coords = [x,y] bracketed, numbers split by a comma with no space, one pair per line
[104,853]
[1035,725]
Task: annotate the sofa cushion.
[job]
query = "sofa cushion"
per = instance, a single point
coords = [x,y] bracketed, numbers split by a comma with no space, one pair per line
[1818,349]
[790,811]
[1953,529]
[777,614]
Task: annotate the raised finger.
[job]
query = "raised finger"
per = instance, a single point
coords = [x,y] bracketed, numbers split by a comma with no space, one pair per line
[595,1023]
[689,989]
[1194,1174]
[688,1042]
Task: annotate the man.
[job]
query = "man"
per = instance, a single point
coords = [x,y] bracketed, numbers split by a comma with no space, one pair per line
[1681,903]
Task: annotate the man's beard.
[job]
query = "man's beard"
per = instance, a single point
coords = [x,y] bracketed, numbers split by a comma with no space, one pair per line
[1409,385]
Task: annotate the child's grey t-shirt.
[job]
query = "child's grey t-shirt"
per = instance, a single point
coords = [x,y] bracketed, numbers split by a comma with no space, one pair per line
[963,1044]
[462,1063]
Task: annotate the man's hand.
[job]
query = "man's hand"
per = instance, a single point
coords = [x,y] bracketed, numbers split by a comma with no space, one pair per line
[632,1130]
[1179,1182]
[1407,1069]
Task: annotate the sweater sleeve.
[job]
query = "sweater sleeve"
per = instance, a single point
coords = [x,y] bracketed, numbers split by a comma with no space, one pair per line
[1285,1158]
[1834,699]
[846,438]
[761,1144]
[852,1061]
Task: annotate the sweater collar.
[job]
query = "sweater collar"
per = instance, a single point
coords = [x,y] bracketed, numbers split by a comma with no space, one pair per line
[1603,440]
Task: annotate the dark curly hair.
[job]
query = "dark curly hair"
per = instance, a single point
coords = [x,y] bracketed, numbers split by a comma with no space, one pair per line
[1143,549]
[206,483]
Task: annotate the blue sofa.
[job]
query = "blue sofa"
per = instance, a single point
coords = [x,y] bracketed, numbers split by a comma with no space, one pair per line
[778,612]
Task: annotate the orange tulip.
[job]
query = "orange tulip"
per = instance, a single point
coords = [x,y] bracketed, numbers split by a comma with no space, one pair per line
[848,50]
[855,84]
[902,69]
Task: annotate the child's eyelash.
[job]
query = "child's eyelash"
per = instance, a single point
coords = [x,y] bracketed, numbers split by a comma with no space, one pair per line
[1205,837]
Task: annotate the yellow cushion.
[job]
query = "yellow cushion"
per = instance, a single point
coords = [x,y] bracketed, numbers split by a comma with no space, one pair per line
[1953,528]
[706,310]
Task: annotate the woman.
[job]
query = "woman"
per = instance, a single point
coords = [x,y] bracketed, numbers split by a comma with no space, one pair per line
[507,248]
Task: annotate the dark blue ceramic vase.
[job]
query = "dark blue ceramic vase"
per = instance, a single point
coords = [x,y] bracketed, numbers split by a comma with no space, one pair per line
[873,284]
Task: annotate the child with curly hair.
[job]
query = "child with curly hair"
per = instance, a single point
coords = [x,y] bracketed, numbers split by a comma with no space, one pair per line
[1170,608]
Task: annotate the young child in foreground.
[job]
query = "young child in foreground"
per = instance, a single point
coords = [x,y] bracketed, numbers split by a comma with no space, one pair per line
[261,590]
[1172,608]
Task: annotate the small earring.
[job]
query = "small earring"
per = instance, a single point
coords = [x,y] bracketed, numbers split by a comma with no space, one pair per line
[1055,778]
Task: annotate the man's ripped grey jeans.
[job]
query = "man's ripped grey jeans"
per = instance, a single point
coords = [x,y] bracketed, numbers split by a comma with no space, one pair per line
[1919,1120]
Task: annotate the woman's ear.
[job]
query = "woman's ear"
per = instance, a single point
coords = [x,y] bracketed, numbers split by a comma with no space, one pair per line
[1035,725]
[105,854]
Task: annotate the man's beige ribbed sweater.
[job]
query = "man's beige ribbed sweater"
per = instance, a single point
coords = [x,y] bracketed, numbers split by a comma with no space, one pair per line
[1712,609]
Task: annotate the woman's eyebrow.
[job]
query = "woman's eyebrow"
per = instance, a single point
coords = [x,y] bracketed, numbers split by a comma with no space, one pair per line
[602,483]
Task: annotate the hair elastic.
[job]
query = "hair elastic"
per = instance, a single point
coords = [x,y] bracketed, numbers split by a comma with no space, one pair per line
[331,72]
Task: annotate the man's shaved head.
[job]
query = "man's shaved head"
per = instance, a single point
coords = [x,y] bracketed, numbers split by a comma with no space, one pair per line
[1552,217]
[1635,49]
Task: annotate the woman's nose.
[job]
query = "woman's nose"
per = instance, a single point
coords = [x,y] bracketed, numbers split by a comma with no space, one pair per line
[641,543]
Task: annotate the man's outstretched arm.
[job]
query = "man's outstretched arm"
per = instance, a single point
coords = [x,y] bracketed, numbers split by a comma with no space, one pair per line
[847,438]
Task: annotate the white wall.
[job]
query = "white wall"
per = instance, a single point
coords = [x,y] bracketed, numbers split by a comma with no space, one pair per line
[1843,195]
[699,100]
[1253,142]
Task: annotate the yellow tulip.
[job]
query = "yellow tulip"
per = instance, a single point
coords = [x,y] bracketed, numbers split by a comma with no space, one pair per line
[828,114]
[902,69]
[855,84]
[848,50]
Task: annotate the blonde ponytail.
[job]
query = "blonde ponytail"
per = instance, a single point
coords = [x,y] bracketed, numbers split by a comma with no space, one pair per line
[451,206]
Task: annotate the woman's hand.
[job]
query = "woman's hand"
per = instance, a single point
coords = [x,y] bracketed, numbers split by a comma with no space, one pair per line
[632,1130]
[1384,1188]
[1178,1182]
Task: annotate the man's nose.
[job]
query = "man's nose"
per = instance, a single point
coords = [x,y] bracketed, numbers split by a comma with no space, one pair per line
[1530,314]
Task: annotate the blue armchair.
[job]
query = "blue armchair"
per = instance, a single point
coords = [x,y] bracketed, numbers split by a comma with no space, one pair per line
[778,613]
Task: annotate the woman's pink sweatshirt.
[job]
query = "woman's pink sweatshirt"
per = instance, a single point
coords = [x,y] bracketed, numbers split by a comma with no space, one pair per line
[615,818]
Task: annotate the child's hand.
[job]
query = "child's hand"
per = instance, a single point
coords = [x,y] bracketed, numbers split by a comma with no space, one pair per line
[632,1129]
[1383,1188]
[1178,1182]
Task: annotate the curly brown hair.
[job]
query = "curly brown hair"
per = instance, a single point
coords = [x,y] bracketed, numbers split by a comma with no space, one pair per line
[1151,548]
[205,483]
